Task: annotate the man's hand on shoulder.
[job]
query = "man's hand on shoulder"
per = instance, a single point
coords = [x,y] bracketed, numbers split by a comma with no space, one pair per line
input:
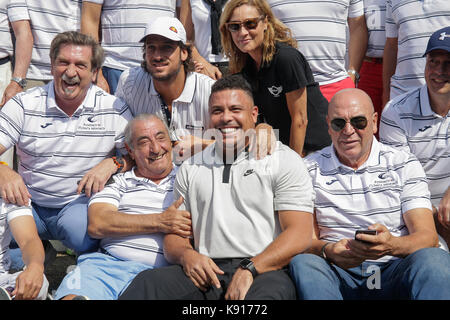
[265,141]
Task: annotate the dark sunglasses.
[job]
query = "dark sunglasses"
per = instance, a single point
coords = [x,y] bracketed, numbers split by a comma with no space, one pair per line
[359,123]
[248,24]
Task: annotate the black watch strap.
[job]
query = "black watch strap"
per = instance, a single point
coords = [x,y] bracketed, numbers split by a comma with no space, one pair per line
[248,264]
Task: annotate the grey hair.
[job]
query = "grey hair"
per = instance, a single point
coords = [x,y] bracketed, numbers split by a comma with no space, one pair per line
[77,38]
[141,117]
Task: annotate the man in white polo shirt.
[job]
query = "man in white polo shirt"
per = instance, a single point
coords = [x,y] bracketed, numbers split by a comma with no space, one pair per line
[165,84]
[121,24]
[249,217]
[65,133]
[131,216]
[363,184]
[419,122]
[409,25]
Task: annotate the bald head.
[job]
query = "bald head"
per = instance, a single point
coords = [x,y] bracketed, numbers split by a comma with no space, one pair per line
[351,124]
[351,97]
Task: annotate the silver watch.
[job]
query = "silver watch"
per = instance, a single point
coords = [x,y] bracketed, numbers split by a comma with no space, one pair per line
[20,81]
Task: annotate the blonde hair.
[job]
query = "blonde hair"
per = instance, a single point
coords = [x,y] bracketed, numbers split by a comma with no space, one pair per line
[276,32]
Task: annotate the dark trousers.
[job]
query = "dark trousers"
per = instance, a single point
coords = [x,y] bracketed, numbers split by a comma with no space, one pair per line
[171,283]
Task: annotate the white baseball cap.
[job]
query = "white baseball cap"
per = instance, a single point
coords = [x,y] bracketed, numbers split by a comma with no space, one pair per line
[167,27]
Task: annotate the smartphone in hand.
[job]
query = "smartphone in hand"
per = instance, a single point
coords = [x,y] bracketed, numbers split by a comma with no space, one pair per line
[365,231]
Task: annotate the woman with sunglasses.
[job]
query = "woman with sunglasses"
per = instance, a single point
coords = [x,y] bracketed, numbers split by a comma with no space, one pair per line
[260,47]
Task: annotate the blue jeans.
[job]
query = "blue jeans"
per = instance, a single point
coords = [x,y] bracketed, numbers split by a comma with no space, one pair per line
[424,274]
[100,276]
[67,224]
[112,77]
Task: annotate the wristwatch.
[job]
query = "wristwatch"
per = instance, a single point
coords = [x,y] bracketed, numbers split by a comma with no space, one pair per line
[21,82]
[354,73]
[248,264]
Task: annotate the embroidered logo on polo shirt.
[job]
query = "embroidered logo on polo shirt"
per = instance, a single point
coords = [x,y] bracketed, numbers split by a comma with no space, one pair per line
[384,175]
[385,180]
[92,124]
[91,118]
[329,183]
[275,91]
[43,126]
[248,172]
[424,128]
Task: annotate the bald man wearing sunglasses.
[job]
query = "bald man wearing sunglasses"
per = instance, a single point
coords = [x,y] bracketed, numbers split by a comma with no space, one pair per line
[361,184]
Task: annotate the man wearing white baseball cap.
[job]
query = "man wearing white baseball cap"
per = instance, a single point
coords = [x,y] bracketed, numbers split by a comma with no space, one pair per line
[167,27]
[166,85]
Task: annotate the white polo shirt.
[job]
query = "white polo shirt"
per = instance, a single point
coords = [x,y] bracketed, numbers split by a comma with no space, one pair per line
[413,22]
[409,123]
[190,114]
[375,13]
[56,150]
[320,30]
[123,25]
[10,11]
[233,207]
[137,195]
[7,213]
[390,183]
[48,18]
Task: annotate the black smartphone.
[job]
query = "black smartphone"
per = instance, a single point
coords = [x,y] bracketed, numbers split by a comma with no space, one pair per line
[365,231]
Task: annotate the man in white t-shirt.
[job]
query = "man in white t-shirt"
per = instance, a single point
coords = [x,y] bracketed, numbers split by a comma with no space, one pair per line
[419,122]
[31,283]
[363,184]
[249,217]
[131,216]
[121,24]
